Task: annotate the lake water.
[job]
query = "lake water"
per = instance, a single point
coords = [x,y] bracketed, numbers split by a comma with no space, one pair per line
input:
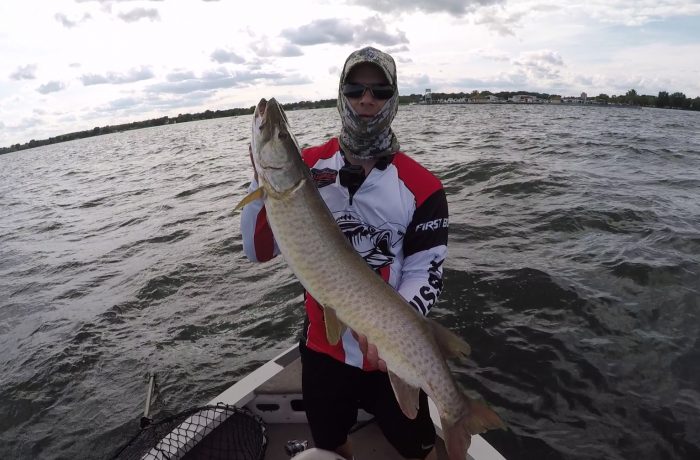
[573,271]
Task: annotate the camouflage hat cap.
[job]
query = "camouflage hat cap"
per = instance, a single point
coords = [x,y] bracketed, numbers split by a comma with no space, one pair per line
[372,56]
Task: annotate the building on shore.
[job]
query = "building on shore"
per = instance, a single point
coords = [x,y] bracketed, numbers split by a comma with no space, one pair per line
[583,99]
[490,99]
[476,98]
[523,99]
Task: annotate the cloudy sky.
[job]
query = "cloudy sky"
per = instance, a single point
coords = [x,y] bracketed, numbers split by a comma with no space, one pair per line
[70,65]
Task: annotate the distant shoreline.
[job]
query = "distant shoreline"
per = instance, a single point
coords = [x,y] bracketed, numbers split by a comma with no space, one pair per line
[554,104]
[181,118]
[631,100]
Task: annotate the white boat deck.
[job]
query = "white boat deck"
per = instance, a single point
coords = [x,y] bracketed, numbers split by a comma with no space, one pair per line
[273,392]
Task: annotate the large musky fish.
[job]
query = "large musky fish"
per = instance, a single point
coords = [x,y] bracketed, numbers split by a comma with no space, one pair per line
[413,347]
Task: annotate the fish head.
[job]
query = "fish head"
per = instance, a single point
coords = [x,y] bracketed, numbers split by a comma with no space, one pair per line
[276,153]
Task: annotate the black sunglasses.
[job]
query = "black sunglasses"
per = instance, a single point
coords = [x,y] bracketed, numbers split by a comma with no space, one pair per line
[356,90]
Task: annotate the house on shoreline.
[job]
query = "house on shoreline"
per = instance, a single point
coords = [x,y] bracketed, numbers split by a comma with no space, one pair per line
[524,99]
[490,99]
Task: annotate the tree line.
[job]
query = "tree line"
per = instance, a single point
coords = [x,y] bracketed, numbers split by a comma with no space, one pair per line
[675,100]
[665,100]
[181,118]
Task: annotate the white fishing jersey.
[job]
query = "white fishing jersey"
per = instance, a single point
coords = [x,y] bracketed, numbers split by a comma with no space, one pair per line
[397,220]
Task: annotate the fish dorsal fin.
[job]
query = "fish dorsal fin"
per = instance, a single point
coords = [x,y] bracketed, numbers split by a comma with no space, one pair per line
[334,328]
[252,196]
[451,345]
[406,395]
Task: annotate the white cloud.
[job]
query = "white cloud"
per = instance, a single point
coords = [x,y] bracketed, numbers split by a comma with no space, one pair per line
[69,23]
[139,13]
[114,78]
[25,123]
[397,49]
[344,32]
[374,30]
[180,76]
[221,56]
[544,64]
[26,72]
[320,31]
[222,78]
[638,12]
[492,54]
[453,7]
[502,22]
[263,49]
[51,87]
[107,2]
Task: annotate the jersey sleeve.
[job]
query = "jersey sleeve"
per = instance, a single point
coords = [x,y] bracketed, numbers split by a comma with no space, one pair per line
[259,243]
[425,249]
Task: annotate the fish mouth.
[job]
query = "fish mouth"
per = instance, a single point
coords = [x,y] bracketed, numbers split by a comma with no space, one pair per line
[262,105]
[270,113]
[260,113]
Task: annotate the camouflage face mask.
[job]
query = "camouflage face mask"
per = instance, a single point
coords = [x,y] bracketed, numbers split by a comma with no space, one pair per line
[368,138]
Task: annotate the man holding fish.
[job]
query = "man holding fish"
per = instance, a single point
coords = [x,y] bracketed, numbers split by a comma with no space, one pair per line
[363,346]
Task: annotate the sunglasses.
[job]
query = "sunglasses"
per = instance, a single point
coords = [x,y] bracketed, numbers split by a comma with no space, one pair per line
[356,90]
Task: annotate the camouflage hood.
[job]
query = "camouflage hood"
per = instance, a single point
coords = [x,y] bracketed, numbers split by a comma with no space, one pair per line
[373,138]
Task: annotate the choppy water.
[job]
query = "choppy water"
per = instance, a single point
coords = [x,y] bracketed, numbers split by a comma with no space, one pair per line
[574,272]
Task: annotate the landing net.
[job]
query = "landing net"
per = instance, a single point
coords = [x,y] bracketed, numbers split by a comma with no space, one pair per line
[208,432]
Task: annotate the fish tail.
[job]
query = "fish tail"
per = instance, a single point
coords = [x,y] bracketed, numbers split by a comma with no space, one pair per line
[477,419]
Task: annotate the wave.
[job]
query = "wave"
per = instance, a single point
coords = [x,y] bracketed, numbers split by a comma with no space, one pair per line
[529,187]
[478,171]
[193,191]
[579,218]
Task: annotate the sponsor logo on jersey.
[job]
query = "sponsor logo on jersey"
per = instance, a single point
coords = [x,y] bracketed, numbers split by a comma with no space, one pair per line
[433,225]
[323,177]
[375,245]
[430,293]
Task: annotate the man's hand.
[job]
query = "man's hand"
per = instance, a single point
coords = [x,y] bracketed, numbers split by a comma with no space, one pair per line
[370,351]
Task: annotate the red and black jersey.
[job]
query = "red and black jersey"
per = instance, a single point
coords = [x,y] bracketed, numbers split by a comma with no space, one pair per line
[397,220]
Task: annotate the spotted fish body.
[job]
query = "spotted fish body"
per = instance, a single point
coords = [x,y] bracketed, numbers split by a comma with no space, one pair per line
[330,269]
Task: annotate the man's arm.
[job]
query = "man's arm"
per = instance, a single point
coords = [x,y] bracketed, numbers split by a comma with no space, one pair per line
[425,249]
[258,241]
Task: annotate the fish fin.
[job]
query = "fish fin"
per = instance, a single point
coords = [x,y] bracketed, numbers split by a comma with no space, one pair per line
[451,345]
[254,195]
[406,395]
[334,328]
[477,419]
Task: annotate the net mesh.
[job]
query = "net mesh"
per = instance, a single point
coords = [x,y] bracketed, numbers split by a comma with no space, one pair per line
[208,432]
